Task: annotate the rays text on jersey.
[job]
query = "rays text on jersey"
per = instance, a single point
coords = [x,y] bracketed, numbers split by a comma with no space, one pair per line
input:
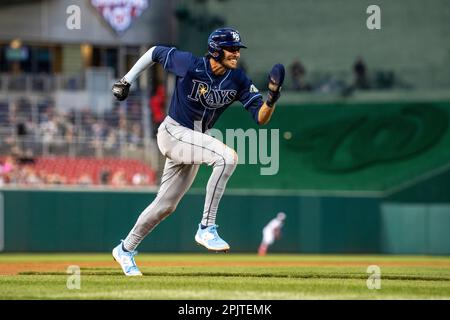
[211,98]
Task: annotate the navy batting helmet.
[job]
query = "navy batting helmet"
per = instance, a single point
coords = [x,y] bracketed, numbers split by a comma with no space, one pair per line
[222,38]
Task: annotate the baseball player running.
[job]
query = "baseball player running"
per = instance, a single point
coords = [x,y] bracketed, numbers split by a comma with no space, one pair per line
[271,232]
[205,87]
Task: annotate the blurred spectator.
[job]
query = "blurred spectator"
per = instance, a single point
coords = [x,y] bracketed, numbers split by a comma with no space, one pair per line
[70,134]
[21,128]
[297,74]
[122,131]
[85,180]
[140,179]
[119,179]
[8,165]
[54,178]
[98,130]
[49,130]
[329,83]
[21,132]
[30,176]
[384,79]
[111,142]
[7,170]
[360,72]
[157,108]
[104,176]
[24,157]
[135,136]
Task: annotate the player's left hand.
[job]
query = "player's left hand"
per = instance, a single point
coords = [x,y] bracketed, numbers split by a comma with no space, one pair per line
[276,79]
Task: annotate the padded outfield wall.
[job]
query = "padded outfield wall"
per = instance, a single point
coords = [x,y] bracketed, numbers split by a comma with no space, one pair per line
[94,221]
[341,195]
[351,146]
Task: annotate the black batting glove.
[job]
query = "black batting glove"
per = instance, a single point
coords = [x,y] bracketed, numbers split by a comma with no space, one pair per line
[276,79]
[120,89]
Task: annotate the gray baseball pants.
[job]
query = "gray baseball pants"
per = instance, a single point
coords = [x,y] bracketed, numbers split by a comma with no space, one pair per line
[185,150]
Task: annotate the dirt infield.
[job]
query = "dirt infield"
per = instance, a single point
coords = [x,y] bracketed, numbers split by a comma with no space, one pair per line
[14,268]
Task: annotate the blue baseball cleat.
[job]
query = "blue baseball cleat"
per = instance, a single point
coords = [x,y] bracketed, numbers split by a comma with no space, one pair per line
[210,239]
[126,261]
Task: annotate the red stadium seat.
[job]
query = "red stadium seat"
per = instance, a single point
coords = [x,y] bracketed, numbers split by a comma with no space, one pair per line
[74,168]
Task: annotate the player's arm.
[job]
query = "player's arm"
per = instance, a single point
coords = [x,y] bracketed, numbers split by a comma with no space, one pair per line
[276,78]
[121,88]
[172,60]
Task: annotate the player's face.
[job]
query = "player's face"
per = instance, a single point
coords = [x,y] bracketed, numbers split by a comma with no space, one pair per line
[230,57]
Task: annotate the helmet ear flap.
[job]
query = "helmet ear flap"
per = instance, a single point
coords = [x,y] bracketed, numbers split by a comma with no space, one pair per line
[215,51]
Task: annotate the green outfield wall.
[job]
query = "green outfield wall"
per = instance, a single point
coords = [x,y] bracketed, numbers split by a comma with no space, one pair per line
[342,145]
[94,221]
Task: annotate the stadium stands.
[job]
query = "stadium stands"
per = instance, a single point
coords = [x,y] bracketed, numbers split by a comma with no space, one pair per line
[54,146]
[413,41]
[76,171]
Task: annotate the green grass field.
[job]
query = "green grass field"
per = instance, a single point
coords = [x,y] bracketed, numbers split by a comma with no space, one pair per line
[225,277]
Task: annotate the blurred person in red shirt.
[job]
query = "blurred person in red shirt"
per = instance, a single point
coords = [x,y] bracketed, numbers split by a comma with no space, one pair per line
[158,108]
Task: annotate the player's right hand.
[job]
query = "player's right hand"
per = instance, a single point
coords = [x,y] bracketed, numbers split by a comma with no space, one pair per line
[120,89]
[276,79]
